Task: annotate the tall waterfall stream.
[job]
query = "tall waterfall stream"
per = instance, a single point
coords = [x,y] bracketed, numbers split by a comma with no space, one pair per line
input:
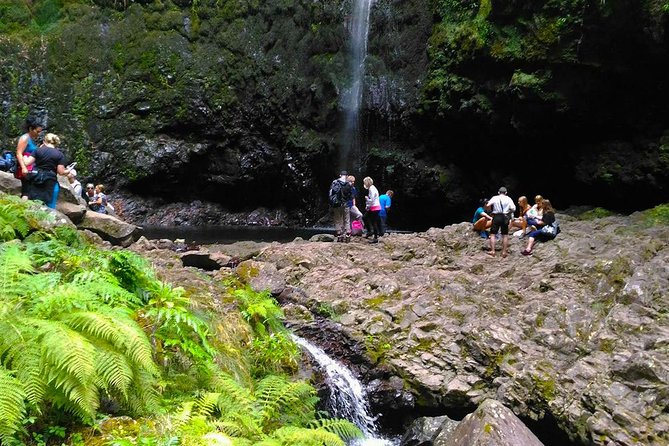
[352,97]
[347,397]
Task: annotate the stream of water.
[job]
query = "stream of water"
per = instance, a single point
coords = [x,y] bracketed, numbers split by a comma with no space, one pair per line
[348,398]
[358,26]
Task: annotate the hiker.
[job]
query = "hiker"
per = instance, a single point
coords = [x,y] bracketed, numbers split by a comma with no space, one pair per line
[533,216]
[53,141]
[548,228]
[99,202]
[372,209]
[521,220]
[385,201]
[502,209]
[355,214]
[74,183]
[482,221]
[353,207]
[339,196]
[42,181]
[89,192]
[25,149]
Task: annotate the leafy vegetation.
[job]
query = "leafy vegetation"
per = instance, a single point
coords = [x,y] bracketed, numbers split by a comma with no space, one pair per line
[86,330]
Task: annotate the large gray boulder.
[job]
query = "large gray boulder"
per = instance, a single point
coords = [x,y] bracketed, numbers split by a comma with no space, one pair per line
[9,184]
[491,424]
[110,228]
[425,431]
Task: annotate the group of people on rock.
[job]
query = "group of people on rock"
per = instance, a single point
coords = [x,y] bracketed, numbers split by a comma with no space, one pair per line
[38,166]
[348,218]
[537,222]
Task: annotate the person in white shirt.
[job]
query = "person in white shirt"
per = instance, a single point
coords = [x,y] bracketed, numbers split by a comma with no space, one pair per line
[502,209]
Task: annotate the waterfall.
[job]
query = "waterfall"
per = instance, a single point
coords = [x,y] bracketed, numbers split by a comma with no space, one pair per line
[352,97]
[347,397]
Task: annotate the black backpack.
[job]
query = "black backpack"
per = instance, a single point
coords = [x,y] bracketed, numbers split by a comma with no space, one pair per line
[8,162]
[340,193]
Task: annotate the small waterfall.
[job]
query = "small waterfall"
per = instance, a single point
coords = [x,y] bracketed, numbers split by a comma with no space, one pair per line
[352,97]
[347,397]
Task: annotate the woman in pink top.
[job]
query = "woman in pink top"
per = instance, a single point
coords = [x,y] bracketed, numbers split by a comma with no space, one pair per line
[373,207]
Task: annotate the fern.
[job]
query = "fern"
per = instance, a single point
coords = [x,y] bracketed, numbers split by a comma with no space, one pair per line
[280,398]
[12,405]
[18,217]
[14,263]
[344,429]
[297,436]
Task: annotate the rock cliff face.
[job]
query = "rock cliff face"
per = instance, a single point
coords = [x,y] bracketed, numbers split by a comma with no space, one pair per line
[577,333]
[233,105]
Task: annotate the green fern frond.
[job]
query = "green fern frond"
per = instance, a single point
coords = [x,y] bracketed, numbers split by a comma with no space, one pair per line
[297,436]
[277,396]
[114,371]
[116,326]
[344,429]
[207,403]
[12,406]
[234,397]
[142,395]
[106,286]
[26,359]
[14,264]
[68,351]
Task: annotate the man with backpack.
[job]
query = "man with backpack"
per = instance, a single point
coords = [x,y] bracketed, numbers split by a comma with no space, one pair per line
[339,196]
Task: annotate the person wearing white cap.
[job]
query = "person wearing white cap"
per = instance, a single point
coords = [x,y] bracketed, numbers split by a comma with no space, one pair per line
[502,208]
[74,183]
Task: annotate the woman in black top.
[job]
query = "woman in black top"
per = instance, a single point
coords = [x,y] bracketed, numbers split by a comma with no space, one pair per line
[49,161]
[541,233]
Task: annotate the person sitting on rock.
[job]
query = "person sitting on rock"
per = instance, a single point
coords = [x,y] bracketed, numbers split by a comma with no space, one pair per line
[521,220]
[74,183]
[534,214]
[548,228]
[482,221]
[99,201]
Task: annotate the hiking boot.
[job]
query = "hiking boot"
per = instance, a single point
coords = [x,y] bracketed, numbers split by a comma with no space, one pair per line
[374,240]
[525,252]
[347,239]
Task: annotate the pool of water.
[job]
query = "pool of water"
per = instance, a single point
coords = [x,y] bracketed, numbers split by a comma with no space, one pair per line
[231,234]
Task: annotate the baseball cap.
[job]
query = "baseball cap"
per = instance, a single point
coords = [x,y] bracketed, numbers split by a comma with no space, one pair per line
[343,172]
[502,190]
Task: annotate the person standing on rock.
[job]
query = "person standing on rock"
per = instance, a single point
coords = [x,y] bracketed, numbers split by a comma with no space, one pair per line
[339,196]
[373,207]
[385,201]
[502,209]
[49,161]
[25,151]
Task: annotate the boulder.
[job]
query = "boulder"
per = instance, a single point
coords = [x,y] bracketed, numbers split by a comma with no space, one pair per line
[322,238]
[110,228]
[9,184]
[66,193]
[205,260]
[262,276]
[74,212]
[491,424]
[425,430]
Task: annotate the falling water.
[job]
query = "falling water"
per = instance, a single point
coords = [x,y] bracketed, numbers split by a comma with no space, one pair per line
[347,397]
[352,97]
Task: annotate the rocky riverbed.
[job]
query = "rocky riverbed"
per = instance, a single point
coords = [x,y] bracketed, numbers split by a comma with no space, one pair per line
[578,333]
